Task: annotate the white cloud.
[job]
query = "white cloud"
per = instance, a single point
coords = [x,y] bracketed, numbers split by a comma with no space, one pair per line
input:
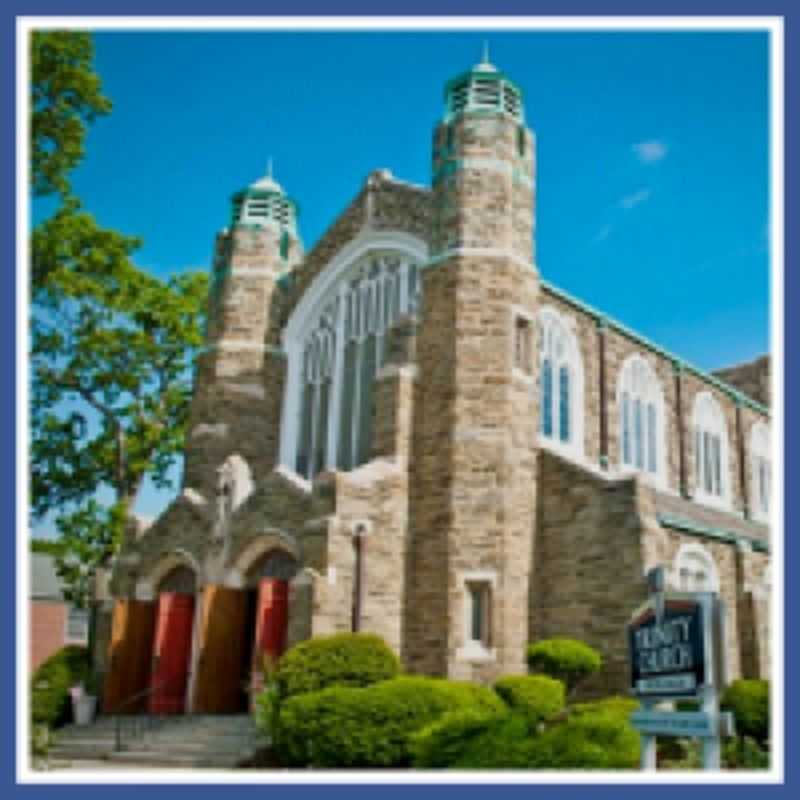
[650,151]
[632,200]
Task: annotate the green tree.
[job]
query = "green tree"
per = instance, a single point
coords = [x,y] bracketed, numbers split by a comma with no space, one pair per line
[66,95]
[112,346]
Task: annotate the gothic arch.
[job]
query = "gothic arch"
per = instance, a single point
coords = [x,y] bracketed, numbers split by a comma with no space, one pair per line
[561,384]
[642,421]
[148,583]
[333,342]
[257,547]
[711,450]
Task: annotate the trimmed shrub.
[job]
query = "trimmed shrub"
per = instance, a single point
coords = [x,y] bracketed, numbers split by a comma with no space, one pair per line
[344,659]
[536,697]
[744,753]
[566,660]
[472,739]
[370,727]
[598,740]
[749,702]
[616,704]
[50,685]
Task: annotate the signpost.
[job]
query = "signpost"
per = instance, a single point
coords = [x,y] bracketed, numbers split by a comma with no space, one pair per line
[676,642]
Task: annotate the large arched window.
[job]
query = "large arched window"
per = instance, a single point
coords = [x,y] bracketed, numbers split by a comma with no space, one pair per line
[641,415]
[710,450]
[760,471]
[560,384]
[335,342]
[694,570]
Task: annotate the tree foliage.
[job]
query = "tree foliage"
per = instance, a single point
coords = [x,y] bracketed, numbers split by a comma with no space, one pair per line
[112,346]
[66,95]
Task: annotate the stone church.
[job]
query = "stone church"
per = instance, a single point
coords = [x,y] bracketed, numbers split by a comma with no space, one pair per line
[408,431]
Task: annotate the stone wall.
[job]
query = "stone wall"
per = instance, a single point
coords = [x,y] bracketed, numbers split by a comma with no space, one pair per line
[751,378]
[473,457]
[596,540]
[590,568]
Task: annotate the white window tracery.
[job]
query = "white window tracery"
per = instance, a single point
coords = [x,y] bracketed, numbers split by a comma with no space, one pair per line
[561,412]
[760,471]
[712,481]
[641,413]
[340,349]
[694,570]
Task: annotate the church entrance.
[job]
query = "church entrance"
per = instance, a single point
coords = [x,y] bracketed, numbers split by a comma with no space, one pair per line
[238,629]
[268,589]
[172,644]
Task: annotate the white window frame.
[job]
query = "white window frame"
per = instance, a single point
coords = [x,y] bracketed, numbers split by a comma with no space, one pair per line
[709,418]
[653,392]
[551,325]
[688,555]
[760,448]
[328,287]
[76,639]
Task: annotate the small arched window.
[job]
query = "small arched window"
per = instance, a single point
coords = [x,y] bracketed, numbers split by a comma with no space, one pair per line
[560,384]
[694,570]
[641,410]
[710,449]
[760,471]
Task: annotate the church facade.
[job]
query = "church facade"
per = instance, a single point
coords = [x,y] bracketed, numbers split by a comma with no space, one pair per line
[408,431]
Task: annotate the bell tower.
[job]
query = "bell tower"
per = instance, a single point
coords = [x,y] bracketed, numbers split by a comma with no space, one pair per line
[239,380]
[473,483]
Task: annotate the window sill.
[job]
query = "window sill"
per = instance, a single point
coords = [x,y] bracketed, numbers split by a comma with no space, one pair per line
[476,653]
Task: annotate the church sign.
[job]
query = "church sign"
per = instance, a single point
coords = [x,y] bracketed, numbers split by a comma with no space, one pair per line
[677,647]
[667,648]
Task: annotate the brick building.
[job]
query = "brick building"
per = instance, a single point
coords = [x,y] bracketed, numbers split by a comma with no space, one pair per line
[55,623]
[407,430]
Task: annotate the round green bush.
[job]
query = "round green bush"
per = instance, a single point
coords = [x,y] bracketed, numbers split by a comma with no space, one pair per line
[344,659]
[50,685]
[749,702]
[598,740]
[473,739]
[536,697]
[566,660]
[370,727]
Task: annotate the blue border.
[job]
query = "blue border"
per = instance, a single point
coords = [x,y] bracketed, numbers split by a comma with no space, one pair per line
[12,8]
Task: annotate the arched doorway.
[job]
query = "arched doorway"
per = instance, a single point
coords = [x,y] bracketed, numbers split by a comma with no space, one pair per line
[172,644]
[267,584]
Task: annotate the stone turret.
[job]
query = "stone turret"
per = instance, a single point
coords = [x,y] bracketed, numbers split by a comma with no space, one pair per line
[239,381]
[472,503]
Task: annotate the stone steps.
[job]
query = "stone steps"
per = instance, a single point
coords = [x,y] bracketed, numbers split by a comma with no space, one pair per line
[180,742]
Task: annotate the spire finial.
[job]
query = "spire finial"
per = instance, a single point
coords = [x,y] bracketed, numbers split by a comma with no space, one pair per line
[485,59]
[269,168]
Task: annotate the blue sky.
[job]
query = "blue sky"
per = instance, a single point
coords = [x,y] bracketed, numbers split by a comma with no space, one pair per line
[652,151]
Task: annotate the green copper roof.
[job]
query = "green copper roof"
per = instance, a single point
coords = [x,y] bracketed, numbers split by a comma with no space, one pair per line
[264,203]
[483,89]
[720,534]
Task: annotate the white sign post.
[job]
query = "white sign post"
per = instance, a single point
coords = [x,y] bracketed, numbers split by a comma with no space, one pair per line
[677,651]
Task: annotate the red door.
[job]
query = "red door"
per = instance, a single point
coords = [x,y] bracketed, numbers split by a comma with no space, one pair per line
[272,619]
[171,652]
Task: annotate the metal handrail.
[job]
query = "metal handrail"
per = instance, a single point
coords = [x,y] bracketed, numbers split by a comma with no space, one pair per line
[137,722]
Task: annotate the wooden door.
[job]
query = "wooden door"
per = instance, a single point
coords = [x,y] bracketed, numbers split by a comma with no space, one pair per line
[129,657]
[272,620]
[171,653]
[223,624]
